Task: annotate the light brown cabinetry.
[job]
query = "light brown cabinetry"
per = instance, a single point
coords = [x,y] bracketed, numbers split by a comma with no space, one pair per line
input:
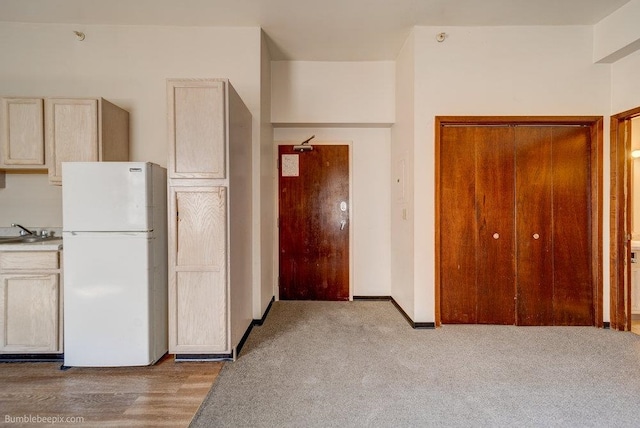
[22,133]
[209,218]
[84,130]
[30,302]
[41,133]
[197,129]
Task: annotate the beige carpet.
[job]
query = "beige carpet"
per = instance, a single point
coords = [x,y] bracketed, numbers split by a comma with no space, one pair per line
[359,364]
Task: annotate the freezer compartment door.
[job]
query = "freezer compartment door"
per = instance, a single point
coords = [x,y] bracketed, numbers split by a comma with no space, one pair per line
[114,312]
[106,196]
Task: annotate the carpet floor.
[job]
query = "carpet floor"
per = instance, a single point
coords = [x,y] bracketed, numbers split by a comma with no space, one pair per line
[359,364]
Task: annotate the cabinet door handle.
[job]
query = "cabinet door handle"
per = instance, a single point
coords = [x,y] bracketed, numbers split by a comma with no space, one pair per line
[496,235]
[536,236]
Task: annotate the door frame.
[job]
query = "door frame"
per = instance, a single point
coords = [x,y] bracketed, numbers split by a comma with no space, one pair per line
[620,215]
[276,231]
[595,123]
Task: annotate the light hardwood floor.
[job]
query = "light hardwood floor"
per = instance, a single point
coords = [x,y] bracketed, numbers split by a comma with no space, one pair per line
[166,394]
[635,326]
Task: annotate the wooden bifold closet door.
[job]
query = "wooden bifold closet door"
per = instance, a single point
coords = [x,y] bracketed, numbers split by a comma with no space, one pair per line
[515,233]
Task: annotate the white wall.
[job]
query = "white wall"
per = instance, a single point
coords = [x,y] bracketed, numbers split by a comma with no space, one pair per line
[617,35]
[263,224]
[625,84]
[306,92]
[402,170]
[358,100]
[495,71]
[29,200]
[370,221]
[127,65]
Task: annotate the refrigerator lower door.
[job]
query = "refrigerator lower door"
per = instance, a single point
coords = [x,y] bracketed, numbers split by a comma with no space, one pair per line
[109,306]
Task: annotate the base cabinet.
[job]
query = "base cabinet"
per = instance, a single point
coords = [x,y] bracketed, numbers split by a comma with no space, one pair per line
[209,168]
[30,303]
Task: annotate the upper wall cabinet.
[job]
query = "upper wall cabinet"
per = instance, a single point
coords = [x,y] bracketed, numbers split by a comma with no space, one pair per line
[197,134]
[84,130]
[22,133]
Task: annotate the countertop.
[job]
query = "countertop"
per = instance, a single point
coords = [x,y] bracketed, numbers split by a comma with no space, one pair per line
[49,245]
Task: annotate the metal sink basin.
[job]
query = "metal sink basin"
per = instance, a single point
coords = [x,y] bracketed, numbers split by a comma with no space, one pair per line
[26,239]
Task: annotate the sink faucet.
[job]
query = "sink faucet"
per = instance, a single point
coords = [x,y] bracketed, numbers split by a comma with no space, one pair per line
[24,230]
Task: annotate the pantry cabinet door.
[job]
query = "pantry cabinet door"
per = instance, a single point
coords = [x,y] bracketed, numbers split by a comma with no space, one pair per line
[197,131]
[22,133]
[198,320]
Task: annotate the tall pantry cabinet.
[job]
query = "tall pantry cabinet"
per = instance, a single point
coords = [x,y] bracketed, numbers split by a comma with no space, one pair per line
[209,171]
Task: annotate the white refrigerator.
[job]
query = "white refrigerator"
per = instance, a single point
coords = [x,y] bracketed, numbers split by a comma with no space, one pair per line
[114,222]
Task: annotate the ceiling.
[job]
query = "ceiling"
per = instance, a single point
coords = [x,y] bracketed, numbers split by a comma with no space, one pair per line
[316,30]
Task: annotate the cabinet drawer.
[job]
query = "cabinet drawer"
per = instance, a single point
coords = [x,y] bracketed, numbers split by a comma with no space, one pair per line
[29,260]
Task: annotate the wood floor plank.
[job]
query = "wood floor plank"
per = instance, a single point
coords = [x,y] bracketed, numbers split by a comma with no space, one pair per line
[165,394]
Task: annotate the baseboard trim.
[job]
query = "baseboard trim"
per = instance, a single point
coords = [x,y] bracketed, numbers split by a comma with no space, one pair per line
[266,312]
[236,352]
[31,358]
[383,298]
[203,357]
[414,325]
[253,324]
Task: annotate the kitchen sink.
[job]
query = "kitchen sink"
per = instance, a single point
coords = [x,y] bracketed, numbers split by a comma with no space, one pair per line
[26,239]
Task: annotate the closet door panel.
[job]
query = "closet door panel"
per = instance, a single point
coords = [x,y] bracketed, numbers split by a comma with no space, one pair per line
[458,226]
[496,225]
[534,294]
[573,289]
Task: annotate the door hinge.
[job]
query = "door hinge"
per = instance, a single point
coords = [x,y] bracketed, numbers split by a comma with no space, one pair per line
[278,163]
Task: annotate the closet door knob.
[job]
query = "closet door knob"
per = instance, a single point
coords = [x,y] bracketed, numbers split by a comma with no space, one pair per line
[536,236]
[496,235]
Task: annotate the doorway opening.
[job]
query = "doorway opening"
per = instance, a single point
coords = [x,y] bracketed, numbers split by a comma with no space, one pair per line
[624,230]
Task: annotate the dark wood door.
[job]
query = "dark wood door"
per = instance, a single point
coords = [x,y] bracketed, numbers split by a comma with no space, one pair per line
[534,186]
[477,224]
[314,223]
[573,278]
[553,226]
[515,226]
